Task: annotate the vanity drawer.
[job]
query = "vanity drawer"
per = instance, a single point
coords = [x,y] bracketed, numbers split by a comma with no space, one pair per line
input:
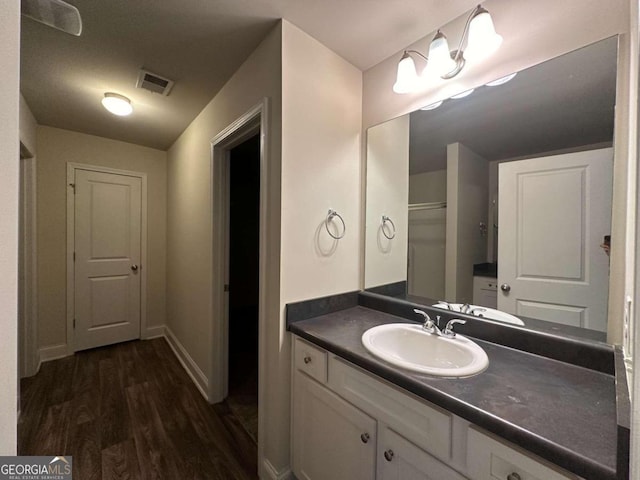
[490,459]
[420,422]
[310,360]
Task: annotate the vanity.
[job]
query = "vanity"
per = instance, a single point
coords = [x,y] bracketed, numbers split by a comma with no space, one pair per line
[490,207]
[356,416]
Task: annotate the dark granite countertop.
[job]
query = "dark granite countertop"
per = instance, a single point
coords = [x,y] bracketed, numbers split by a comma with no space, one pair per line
[564,413]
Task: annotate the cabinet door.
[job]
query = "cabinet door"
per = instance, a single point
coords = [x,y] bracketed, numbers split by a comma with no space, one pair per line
[332,439]
[399,459]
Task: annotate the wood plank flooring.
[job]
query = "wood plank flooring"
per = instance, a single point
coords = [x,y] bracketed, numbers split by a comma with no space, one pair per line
[130,411]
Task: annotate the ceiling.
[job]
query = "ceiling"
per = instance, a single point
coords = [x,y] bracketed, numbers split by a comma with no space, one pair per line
[197,43]
[563,103]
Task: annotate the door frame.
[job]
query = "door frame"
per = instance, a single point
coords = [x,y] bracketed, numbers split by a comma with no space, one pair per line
[255,120]
[71,205]
[29,363]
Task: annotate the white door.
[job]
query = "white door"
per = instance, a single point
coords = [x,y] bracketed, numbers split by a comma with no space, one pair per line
[107,258]
[332,439]
[553,214]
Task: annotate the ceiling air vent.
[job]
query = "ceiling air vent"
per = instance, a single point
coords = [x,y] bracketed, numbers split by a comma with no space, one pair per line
[154,83]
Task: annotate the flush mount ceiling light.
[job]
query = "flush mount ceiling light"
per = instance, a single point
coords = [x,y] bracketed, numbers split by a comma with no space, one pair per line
[117,104]
[481,41]
[54,13]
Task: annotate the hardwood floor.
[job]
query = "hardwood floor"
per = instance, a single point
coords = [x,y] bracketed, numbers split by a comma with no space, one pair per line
[130,411]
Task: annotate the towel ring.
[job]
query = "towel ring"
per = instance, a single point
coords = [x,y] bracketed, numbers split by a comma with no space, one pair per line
[330,217]
[386,219]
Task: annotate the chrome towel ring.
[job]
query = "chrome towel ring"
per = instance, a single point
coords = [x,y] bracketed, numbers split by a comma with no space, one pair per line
[330,216]
[392,233]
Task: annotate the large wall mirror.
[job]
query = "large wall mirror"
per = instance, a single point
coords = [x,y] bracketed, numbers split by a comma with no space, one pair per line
[498,202]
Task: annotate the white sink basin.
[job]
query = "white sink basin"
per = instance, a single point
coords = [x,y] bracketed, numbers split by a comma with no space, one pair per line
[409,346]
[489,313]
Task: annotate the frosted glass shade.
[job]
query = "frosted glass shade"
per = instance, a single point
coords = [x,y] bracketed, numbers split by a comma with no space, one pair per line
[407,77]
[440,61]
[117,104]
[483,39]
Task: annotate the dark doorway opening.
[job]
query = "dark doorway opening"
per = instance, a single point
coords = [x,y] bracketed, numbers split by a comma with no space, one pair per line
[244,255]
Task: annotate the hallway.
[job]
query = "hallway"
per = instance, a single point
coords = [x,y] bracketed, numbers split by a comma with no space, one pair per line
[130,411]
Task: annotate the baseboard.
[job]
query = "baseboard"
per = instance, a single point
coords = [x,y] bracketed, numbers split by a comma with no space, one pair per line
[270,471]
[53,352]
[154,332]
[188,363]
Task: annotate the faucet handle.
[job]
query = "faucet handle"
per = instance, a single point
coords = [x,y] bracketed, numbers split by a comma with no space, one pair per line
[448,330]
[428,323]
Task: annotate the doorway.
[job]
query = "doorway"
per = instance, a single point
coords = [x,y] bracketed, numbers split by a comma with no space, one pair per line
[243,286]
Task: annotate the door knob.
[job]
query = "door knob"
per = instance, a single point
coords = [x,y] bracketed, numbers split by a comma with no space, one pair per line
[505,287]
[134,268]
[365,438]
[388,455]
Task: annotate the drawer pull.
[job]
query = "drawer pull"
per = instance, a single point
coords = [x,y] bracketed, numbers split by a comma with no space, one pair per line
[307,359]
[388,456]
[514,476]
[365,438]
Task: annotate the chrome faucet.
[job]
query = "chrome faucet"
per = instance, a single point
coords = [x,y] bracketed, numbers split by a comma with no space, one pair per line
[445,304]
[432,327]
[475,311]
[465,308]
[429,325]
[448,330]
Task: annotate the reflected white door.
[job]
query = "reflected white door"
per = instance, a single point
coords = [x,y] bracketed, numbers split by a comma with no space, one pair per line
[107,258]
[553,214]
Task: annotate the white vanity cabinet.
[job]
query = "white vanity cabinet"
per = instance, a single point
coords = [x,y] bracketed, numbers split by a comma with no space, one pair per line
[350,424]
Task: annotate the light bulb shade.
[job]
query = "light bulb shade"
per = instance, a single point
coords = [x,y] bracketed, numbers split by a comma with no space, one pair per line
[440,60]
[117,104]
[407,77]
[483,39]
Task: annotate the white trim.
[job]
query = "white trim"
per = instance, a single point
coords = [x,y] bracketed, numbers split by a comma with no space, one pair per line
[53,352]
[71,173]
[270,472]
[30,361]
[154,331]
[235,133]
[191,367]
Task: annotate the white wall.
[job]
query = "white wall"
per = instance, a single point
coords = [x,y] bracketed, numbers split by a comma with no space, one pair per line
[28,126]
[9,163]
[56,147]
[387,193]
[534,32]
[321,125]
[467,194]
[189,230]
[428,187]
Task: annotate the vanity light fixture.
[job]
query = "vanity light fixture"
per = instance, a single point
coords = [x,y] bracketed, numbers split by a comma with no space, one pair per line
[117,104]
[502,80]
[481,40]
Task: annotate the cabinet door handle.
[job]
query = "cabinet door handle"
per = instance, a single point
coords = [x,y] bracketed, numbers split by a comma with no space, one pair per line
[388,456]
[307,359]
[514,476]
[365,437]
